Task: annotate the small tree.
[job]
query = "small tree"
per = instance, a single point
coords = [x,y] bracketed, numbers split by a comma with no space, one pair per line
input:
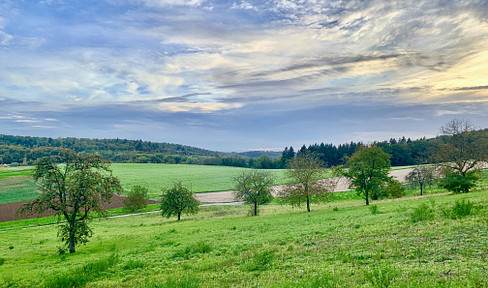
[177,200]
[304,173]
[368,171]
[457,183]
[136,199]
[252,187]
[420,176]
[72,191]
[461,154]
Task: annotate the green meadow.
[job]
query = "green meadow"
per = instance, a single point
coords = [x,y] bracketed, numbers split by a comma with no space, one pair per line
[201,178]
[17,185]
[438,240]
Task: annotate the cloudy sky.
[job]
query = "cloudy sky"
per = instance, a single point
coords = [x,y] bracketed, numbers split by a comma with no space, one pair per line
[241,75]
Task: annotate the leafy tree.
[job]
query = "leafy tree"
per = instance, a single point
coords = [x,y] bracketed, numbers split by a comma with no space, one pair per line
[368,171]
[459,183]
[461,154]
[137,198]
[304,172]
[177,200]
[420,176]
[253,188]
[72,190]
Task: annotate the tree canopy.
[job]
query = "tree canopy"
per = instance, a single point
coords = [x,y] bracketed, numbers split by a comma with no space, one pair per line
[72,190]
[177,200]
[252,187]
[462,154]
[368,171]
[304,172]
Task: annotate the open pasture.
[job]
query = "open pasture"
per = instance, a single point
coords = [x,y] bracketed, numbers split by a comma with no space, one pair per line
[340,244]
[201,178]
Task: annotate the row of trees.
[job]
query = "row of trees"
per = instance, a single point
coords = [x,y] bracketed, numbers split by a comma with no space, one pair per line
[79,186]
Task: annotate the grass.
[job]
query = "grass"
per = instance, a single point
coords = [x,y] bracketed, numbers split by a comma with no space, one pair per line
[17,171]
[201,178]
[339,244]
[16,184]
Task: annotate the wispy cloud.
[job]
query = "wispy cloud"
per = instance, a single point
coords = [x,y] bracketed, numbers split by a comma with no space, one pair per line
[213,60]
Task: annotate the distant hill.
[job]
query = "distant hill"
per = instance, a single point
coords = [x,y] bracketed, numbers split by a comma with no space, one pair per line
[24,149]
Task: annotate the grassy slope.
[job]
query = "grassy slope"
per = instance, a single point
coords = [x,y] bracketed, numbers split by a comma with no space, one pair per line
[200,177]
[284,247]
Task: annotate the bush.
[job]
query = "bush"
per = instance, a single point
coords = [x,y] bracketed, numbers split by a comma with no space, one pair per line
[422,212]
[394,189]
[136,199]
[457,183]
[459,210]
[374,209]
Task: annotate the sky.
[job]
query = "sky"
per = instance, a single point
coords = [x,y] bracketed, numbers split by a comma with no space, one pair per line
[242,75]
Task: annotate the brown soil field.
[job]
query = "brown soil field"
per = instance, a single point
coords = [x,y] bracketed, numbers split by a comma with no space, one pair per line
[8,210]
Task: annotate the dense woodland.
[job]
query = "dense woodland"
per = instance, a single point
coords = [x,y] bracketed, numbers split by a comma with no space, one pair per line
[23,150]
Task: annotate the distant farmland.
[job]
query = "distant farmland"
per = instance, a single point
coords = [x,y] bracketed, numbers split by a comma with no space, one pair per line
[201,178]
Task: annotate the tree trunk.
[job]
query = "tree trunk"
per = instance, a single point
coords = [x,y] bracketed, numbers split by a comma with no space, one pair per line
[421,189]
[255,208]
[367,197]
[179,216]
[308,204]
[71,244]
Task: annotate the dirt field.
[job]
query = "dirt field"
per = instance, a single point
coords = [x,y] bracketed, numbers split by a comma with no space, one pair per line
[8,211]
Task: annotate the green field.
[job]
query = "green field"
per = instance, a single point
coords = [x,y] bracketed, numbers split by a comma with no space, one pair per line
[340,244]
[17,185]
[200,177]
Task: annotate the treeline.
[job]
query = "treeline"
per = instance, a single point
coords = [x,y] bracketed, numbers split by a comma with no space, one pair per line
[26,150]
[403,151]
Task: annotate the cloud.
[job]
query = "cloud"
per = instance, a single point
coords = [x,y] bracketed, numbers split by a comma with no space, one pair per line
[222,64]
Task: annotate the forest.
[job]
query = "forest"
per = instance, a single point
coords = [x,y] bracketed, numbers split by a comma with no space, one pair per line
[25,150]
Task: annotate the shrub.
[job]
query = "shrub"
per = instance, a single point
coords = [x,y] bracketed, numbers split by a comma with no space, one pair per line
[457,183]
[2,260]
[422,212]
[374,209]
[459,210]
[394,189]
[136,199]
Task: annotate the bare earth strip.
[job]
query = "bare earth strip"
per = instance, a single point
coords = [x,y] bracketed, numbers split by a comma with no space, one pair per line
[229,196]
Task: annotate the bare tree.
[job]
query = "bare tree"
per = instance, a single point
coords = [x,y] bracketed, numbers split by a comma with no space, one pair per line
[421,176]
